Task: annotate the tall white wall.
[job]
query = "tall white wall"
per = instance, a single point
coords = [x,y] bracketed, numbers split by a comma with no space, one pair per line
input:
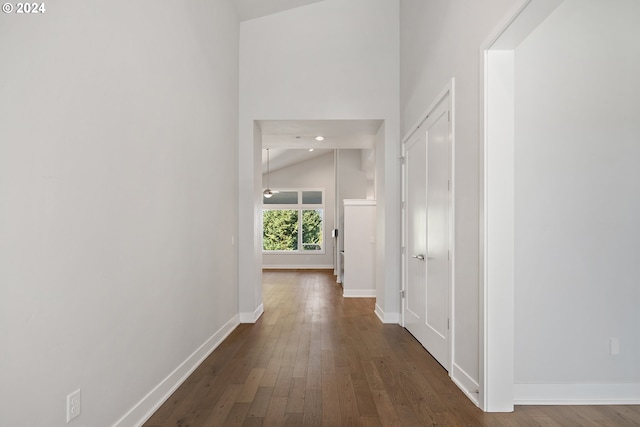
[250,224]
[441,40]
[317,172]
[118,192]
[352,182]
[335,59]
[381,234]
[577,261]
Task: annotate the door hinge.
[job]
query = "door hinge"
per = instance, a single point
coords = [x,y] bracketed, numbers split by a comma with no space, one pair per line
[449,115]
[402,250]
[402,204]
[401,160]
[448,255]
[448,185]
[402,293]
[448,324]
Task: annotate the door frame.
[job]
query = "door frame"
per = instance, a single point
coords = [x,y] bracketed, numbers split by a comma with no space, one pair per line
[447,91]
[497,133]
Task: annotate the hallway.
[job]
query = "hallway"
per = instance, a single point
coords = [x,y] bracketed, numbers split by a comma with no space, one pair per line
[317,359]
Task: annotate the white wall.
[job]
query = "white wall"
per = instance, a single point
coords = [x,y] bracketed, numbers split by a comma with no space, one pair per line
[441,40]
[336,59]
[317,172]
[250,225]
[368,166]
[381,235]
[577,199]
[118,192]
[359,248]
[352,183]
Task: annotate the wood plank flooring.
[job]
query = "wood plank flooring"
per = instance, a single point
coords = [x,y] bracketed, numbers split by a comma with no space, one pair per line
[317,359]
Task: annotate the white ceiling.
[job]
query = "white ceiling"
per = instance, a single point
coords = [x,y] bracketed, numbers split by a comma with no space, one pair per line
[289,141]
[250,9]
[281,157]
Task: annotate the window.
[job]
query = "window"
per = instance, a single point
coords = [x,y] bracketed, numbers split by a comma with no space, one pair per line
[292,221]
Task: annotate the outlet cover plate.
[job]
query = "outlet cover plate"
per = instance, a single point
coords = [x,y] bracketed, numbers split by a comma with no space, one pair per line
[73,405]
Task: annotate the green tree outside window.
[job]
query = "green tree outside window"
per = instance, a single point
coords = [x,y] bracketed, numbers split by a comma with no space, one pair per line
[280,230]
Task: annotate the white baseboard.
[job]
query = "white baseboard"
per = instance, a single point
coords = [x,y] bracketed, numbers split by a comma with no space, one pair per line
[252,317]
[577,394]
[149,404]
[468,385]
[359,293]
[296,267]
[379,312]
[387,317]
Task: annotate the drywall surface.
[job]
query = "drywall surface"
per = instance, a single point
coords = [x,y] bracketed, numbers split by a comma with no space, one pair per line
[335,59]
[441,40]
[352,183]
[577,261]
[316,173]
[359,248]
[118,172]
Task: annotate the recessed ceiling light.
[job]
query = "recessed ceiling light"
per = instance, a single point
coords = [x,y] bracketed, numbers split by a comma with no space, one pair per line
[319,138]
[310,149]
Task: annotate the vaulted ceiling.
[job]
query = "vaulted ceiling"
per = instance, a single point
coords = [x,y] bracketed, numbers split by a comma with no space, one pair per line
[250,9]
[289,141]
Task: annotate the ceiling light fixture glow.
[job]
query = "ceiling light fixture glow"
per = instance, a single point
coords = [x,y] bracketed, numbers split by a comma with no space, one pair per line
[319,138]
[310,149]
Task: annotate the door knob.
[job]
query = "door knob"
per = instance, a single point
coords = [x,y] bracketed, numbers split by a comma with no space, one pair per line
[420,257]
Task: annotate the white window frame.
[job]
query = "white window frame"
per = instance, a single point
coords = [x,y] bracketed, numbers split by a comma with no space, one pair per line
[299,207]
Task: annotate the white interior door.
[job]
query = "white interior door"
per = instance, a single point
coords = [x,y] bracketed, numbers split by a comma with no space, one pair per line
[415,299]
[427,213]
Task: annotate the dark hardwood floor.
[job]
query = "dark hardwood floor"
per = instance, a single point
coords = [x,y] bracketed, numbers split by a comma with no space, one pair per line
[316,359]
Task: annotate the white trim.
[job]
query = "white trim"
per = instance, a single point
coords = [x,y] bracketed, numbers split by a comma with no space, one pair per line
[359,293]
[252,317]
[359,202]
[577,394]
[149,404]
[496,272]
[465,383]
[452,223]
[499,229]
[296,267]
[322,251]
[403,228]
[386,317]
[300,206]
[447,93]
[336,214]
[443,93]
[379,312]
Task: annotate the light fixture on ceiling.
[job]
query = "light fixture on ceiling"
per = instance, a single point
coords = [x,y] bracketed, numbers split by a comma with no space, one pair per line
[310,149]
[319,138]
[267,193]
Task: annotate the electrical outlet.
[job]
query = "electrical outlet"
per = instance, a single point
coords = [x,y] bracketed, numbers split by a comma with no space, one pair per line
[73,405]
